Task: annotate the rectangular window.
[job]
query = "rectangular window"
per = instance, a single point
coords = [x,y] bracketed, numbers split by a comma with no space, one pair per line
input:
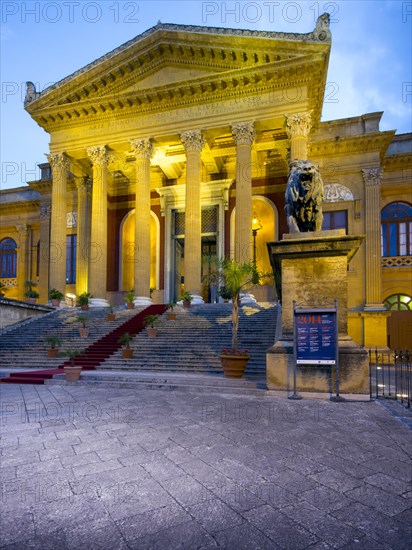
[71,243]
[335,220]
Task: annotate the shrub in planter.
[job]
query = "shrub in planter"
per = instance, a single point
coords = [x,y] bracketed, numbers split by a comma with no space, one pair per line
[31,294]
[187,298]
[129,297]
[83,300]
[54,342]
[125,340]
[55,296]
[151,322]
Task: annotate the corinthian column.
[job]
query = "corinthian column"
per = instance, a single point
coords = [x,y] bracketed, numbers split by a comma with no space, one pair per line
[372,179]
[143,151]
[193,143]
[98,237]
[45,212]
[244,134]
[23,258]
[84,187]
[60,165]
[298,128]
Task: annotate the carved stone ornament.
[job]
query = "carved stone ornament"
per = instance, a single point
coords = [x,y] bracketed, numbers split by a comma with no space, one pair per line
[142,148]
[334,192]
[45,211]
[71,219]
[244,133]
[298,124]
[31,93]
[193,141]
[24,230]
[98,155]
[58,162]
[372,176]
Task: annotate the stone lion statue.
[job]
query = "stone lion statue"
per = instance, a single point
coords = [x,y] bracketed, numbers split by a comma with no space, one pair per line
[303,197]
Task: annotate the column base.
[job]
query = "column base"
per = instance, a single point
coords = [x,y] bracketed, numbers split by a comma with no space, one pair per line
[140,301]
[98,302]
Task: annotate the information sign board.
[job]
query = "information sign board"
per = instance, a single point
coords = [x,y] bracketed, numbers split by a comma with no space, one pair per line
[316,336]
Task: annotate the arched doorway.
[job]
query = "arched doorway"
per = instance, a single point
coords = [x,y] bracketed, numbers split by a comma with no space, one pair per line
[400,321]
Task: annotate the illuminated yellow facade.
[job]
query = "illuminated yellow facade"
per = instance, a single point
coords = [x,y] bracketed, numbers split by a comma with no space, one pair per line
[188,131]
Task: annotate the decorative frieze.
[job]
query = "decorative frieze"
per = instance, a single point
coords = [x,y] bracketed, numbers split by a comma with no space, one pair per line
[142,148]
[244,133]
[99,155]
[372,176]
[334,192]
[193,141]
[298,124]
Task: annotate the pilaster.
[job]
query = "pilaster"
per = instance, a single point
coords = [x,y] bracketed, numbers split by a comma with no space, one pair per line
[298,127]
[244,135]
[143,151]
[60,166]
[45,214]
[84,188]
[23,257]
[193,143]
[98,235]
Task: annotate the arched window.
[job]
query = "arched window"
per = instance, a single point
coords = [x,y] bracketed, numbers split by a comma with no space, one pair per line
[398,302]
[8,259]
[396,236]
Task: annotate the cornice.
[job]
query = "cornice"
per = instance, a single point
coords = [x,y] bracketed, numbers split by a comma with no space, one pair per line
[353,144]
[19,206]
[399,161]
[240,83]
[44,187]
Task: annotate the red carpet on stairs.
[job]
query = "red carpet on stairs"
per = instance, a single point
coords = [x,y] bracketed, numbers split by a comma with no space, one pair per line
[95,354]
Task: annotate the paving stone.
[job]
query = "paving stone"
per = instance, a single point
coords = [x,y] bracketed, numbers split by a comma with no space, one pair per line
[163,469]
[184,536]
[186,490]
[378,499]
[284,532]
[244,537]
[95,535]
[336,480]
[16,527]
[335,532]
[389,483]
[214,515]
[326,499]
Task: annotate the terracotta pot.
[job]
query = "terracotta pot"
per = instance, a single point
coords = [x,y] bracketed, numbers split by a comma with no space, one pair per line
[234,365]
[52,352]
[111,316]
[130,305]
[72,373]
[186,303]
[31,300]
[127,353]
[84,307]
[171,316]
[55,303]
[151,332]
[84,332]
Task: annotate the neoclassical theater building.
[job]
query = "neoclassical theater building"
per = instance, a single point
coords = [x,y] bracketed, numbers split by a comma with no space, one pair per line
[175,146]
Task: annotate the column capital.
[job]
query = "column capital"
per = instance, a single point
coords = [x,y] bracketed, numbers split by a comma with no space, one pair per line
[372,176]
[298,124]
[193,141]
[99,155]
[45,211]
[142,148]
[24,230]
[84,185]
[58,161]
[244,133]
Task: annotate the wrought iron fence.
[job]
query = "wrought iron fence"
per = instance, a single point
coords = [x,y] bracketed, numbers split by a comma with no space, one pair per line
[390,375]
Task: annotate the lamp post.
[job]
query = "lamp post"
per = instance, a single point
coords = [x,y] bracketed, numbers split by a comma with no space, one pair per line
[256,225]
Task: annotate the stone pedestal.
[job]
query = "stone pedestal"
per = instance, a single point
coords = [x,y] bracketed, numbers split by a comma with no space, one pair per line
[311,268]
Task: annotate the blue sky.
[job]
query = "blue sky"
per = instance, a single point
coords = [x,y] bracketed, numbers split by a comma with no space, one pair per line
[44,41]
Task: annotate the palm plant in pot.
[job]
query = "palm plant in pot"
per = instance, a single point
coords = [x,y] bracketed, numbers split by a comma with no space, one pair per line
[125,340]
[83,300]
[151,322]
[54,342]
[129,297]
[187,299]
[111,316]
[84,329]
[55,296]
[234,277]
[3,289]
[73,371]
[31,294]
[171,315]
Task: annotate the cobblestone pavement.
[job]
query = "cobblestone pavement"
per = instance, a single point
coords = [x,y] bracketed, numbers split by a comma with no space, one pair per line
[122,469]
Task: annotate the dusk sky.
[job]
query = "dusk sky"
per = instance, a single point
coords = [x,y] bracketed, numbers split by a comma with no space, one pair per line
[45,41]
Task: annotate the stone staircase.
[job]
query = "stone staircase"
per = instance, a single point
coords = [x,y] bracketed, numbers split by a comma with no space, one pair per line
[187,346]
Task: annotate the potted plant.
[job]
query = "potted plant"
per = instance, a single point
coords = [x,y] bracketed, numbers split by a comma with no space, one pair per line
[3,289]
[54,342]
[187,298]
[31,294]
[83,300]
[129,297]
[125,340]
[225,294]
[111,316]
[55,296]
[171,315]
[84,330]
[73,371]
[235,277]
[151,322]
